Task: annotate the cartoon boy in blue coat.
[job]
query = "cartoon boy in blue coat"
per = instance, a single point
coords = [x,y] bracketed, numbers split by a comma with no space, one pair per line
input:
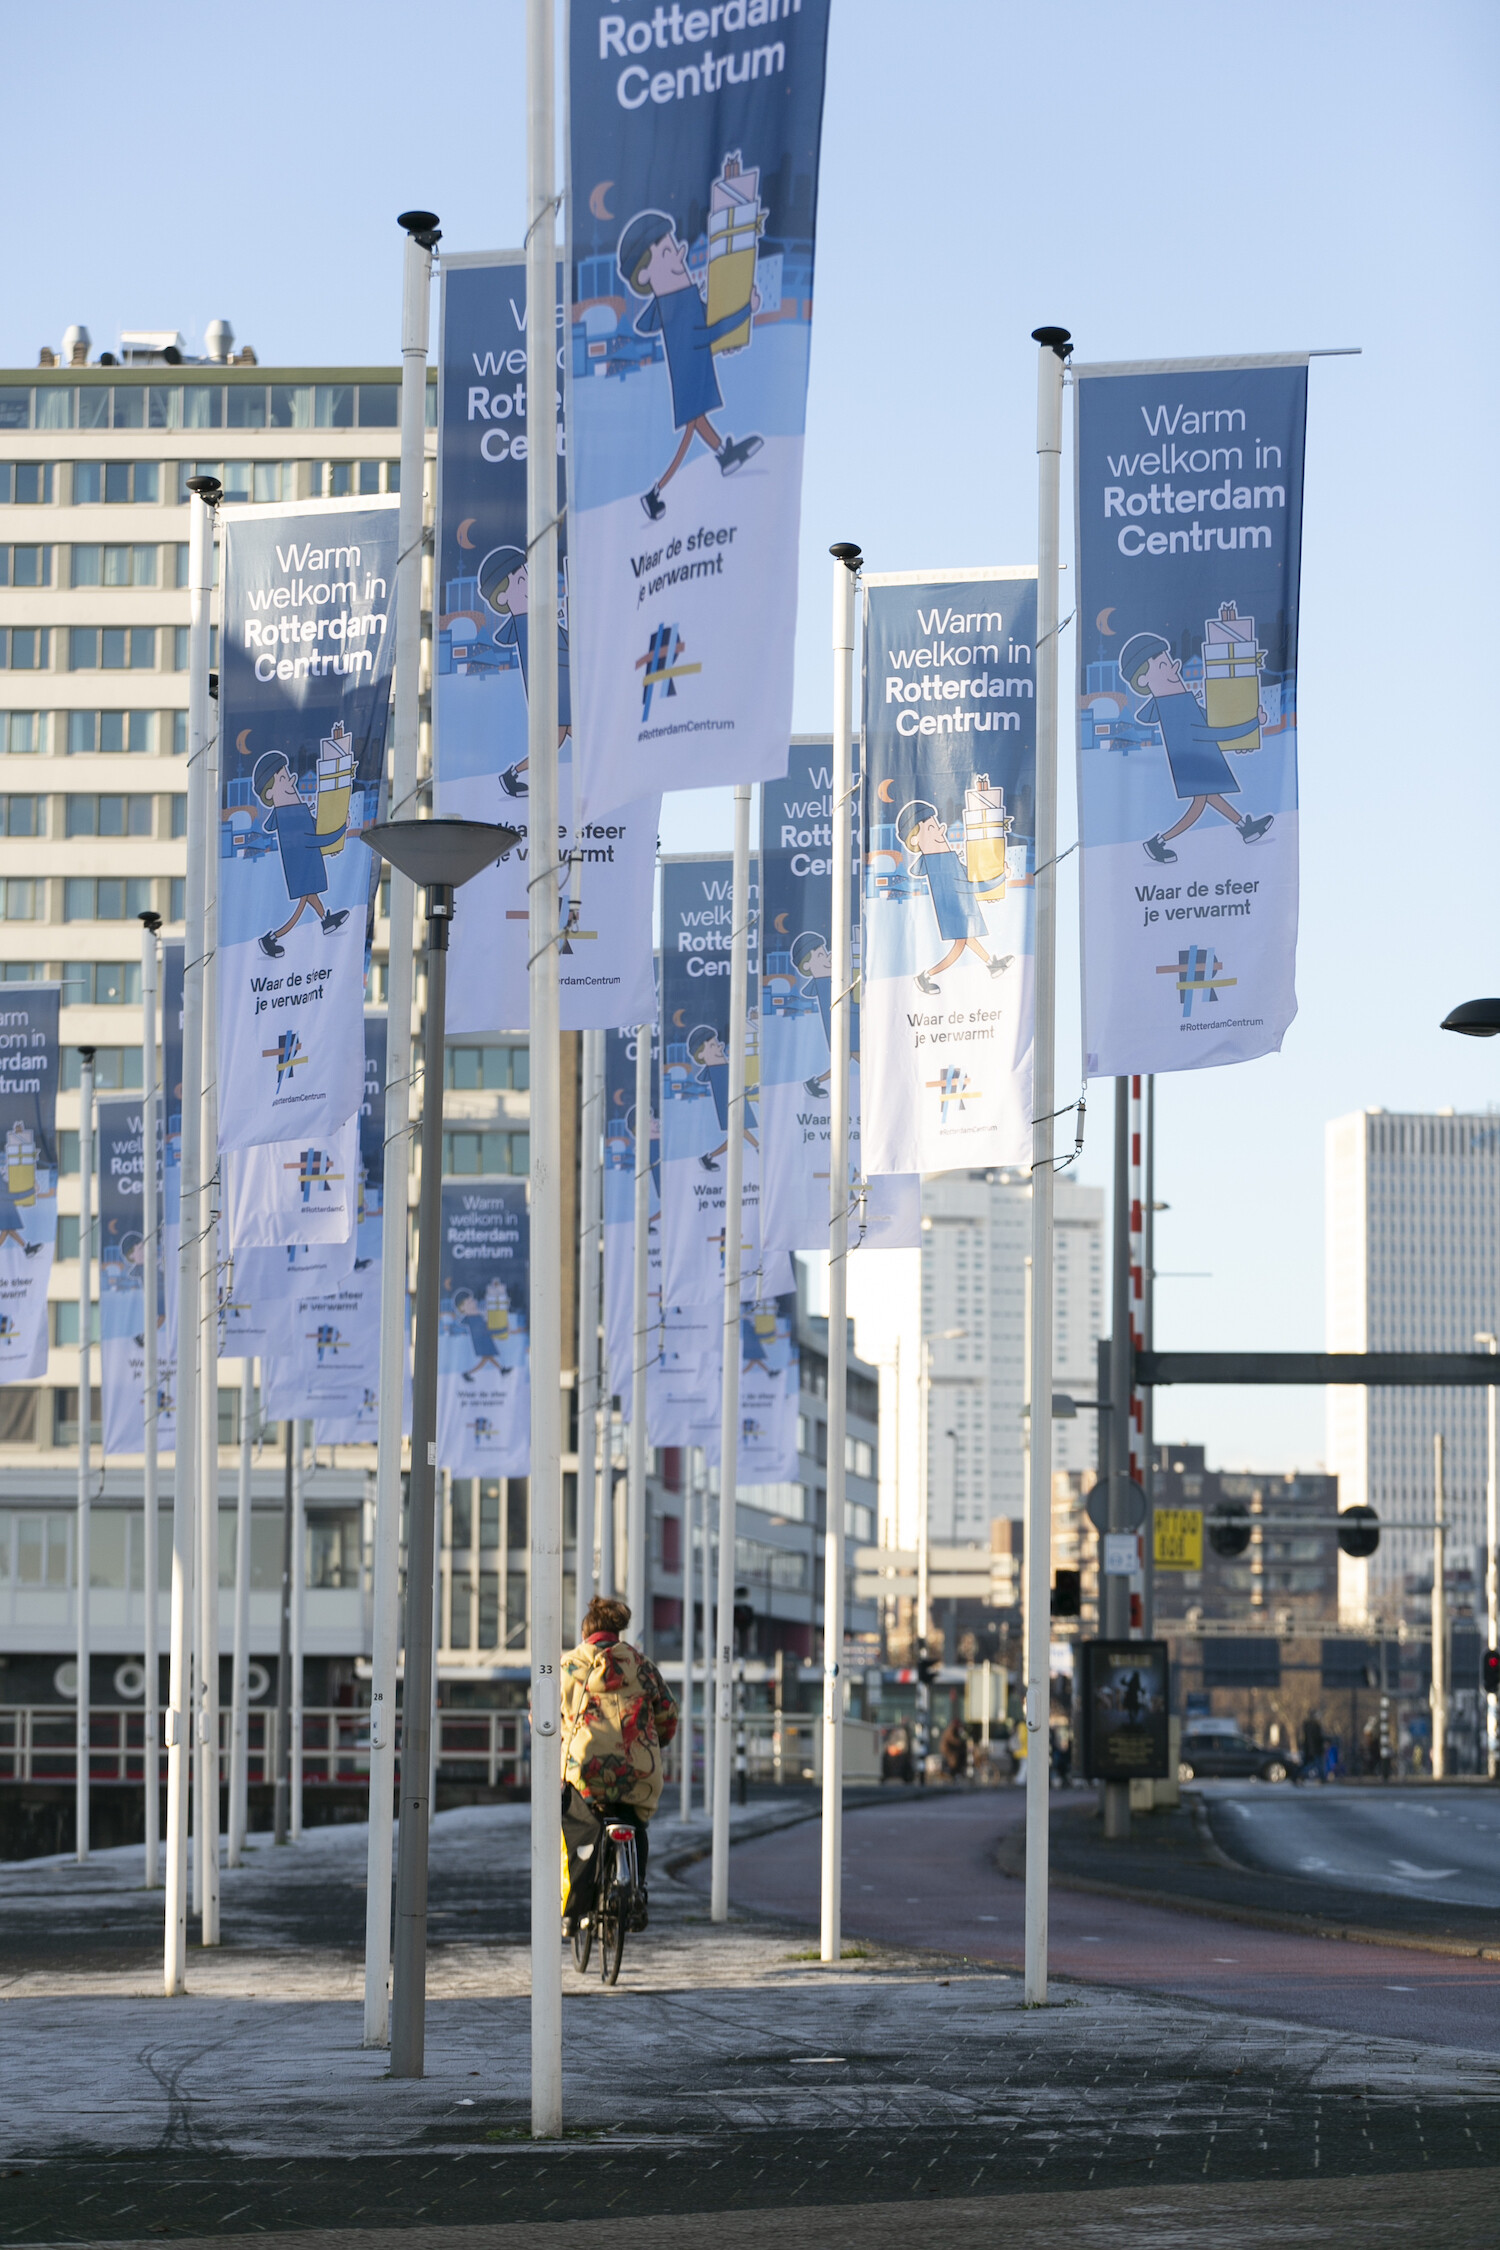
[470,1316]
[709,1052]
[653,265]
[955,902]
[1199,769]
[296,832]
[505,587]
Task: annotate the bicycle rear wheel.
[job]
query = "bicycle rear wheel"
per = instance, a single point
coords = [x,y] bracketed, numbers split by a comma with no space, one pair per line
[583,1942]
[612,1910]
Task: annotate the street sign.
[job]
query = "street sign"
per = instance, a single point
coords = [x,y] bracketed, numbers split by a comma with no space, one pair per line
[1178,1541]
[1130,1505]
[1122,1554]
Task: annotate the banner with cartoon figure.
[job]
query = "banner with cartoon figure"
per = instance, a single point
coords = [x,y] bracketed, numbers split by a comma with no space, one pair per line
[1189,501]
[770,1381]
[697,916]
[481,688]
[694,189]
[949,823]
[122,1291]
[308,645]
[484,1345]
[796,1019]
[171,1136]
[28,1184]
[619,1208]
[255,1314]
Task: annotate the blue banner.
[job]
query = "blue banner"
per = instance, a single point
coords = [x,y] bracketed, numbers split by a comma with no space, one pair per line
[309,640]
[796,1016]
[480,693]
[949,862]
[692,209]
[122,1292]
[484,1346]
[171,1135]
[696,919]
[1189,498]
[28,1187]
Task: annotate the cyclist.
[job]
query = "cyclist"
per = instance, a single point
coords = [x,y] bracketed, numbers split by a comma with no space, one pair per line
[617,1718]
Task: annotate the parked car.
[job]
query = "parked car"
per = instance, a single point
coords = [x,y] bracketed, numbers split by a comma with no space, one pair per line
[1216,1750]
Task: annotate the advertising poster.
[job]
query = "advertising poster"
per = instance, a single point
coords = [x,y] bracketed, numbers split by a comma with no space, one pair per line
[308,646]
[948,993]
[619,1209]
[697,915]
[481,687]
[1125,1704]
[796,1016]
[484,1346]
[122,1290]
[1189,500]
[692,212]
[28,1189]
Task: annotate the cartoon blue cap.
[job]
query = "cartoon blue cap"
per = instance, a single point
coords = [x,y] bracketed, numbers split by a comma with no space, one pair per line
[640,238]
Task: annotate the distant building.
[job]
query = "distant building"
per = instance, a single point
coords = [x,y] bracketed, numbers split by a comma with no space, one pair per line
[1413,1264]
[1287,1576]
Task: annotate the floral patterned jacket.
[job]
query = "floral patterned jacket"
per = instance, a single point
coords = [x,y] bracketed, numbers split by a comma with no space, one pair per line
[617,1719]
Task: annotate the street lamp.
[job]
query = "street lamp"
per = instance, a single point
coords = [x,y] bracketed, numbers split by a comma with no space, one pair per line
[440,856]
[1476,1019]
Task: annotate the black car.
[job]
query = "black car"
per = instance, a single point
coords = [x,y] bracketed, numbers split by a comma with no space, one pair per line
[1222,1755]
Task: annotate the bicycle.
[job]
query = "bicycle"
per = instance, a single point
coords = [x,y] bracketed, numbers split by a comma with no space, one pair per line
[616,1900]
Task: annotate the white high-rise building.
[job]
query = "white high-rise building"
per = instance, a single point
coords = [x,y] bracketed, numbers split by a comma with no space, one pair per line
[1413,1264]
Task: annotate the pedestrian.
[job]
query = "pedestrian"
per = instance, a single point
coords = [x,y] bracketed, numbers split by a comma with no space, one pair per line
[1312,1747]
[954,1748]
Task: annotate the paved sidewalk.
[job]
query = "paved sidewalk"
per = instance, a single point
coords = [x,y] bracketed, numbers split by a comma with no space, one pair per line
[727,2071]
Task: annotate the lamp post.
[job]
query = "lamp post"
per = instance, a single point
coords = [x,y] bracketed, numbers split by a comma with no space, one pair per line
[81,1759]
[1480,1019]
[439,856]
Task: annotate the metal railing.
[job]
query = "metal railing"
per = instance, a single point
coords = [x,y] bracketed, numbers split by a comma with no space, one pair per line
[38,1744]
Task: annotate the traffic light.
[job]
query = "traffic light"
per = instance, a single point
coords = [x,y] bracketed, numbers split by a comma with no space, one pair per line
[1359,1531]
[927,1666]
[1229,1529]
[744,1614]
[1067,1593]
[1492,1671]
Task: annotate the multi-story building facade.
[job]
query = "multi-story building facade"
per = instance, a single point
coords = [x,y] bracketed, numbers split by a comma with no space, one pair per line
[976,1238]
[94,457]
[1413,1264]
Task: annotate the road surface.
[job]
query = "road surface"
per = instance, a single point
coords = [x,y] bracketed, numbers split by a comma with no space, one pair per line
[1400,1843]
[924,1873]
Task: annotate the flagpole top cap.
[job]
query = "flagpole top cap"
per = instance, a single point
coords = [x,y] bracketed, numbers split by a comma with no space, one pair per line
[422,226]
[846,552]
[1059,340]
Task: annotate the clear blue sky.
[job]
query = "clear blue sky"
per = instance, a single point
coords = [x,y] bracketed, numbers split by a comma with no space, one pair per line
[1159,178]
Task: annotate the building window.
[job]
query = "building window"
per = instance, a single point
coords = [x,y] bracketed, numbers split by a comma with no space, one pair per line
[515,1609]
[101,984]
[65,1332]
[489,1604]
[110,733]
[17,1427]
[23,816]
[109,816]
[177,911]
[179,815]
[25,566]
[43,1542]
[114,566]
[487,1069]
[26,648]
[23,734]
[181,645]
[117,1070]
[460,1589]
[20,898]
[377,984]
[346,480]
[858,1458]
[112,648]
[116,483]
[470,1155]
[25,484]
[107,898]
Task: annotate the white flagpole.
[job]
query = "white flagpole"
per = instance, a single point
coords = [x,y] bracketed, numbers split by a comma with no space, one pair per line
[421,234]
[685,1722]
[591,1185]
[546,1136]
[729,1424]
[179,1729]
[207,1825]
[1054,343]
[705,1515]
[635,1488]
[846,560]
[85,1416]
[151,1401]
[239,1687]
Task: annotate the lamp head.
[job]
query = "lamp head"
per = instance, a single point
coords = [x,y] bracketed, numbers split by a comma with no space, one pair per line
[451,852]
[1477,1019]
[208,489]
[422,226]
[1059,339]
[846,552]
